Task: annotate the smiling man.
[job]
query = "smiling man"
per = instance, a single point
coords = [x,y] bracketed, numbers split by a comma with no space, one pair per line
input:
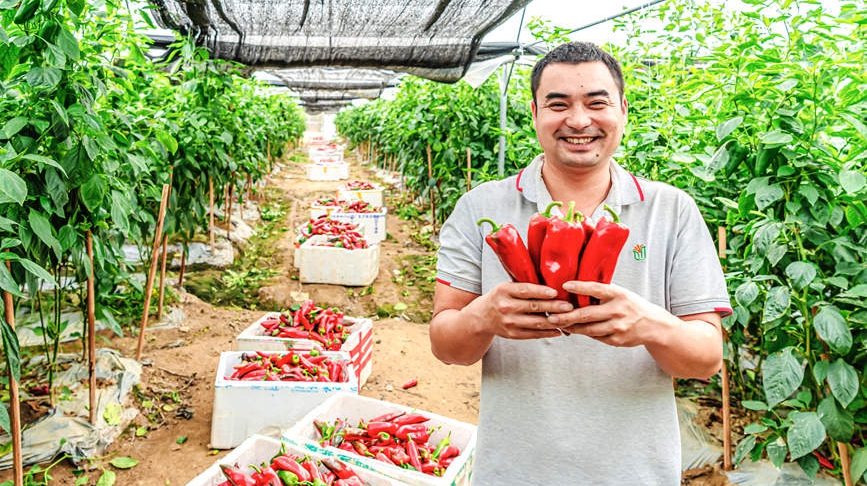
[577,396]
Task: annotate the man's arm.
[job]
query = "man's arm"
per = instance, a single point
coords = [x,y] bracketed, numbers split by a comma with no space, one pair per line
[464,324]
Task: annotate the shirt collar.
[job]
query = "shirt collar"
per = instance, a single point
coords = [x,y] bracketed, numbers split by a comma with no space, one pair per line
[626,188]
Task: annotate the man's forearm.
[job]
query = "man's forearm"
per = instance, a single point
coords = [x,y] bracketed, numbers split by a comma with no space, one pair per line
[456,338]
[689,349]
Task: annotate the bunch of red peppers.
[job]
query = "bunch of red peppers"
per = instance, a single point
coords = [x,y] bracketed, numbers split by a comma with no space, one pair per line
[290,366]
[359,206]
[340,234]
[396,438]
[287,469]
[560,249]
[309,321]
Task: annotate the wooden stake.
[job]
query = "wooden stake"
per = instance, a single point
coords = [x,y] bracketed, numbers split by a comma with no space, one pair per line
[152,271]
[211,197]
[726,394]
[469,166]
[845,463]
[165,247]
[230,191]
[249,187]
[91,330]
[433,207]
[14,405]
[183,265]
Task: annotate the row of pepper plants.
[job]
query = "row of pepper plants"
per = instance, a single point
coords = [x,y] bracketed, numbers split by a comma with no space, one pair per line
[92,125]
[761,115]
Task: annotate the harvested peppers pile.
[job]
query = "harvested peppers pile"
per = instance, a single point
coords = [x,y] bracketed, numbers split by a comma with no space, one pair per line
[357,185]
[560,249]
[309,321]
[290,366]
[359,206]
[292,469]
[397,438]
[340,234]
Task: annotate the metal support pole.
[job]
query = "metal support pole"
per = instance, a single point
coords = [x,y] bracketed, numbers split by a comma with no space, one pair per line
[504,87]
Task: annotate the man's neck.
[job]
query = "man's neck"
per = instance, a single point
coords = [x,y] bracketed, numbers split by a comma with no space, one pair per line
[588,187]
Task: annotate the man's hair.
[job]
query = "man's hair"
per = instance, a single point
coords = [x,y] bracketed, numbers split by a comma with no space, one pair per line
[577,53]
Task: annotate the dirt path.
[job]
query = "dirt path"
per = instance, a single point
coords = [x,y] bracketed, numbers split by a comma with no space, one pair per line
[181,362]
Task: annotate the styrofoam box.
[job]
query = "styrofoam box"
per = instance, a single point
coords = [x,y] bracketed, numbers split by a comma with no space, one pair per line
[242,408]
[371,196]
[354,407]
[338,266]
[328,172]
[370,225]
[359,344]
[258,449]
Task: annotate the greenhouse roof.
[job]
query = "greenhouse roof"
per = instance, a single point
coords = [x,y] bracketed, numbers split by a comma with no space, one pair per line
[436,40]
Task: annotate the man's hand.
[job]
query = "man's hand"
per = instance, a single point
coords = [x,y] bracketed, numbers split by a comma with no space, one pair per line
[518,311]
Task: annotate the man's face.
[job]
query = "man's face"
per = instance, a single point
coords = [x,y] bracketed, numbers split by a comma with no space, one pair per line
[579,114]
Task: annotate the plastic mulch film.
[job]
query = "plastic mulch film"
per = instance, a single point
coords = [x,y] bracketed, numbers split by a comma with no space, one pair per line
[66,428]
[435,40]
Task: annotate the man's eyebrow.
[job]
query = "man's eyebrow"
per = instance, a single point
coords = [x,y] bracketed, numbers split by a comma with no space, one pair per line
[601,92]
[555,95]
[592,94]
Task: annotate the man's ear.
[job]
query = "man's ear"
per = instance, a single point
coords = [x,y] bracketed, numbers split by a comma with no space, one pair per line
[533,111]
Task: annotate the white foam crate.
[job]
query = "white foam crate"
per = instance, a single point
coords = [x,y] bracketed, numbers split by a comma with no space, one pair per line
[359,344]
[374,197]
[328,172]
[258,449]
[242,408]
[354,407]
[337,266]
[370,225]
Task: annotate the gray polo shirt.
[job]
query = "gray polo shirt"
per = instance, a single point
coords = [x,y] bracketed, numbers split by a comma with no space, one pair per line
[571,410]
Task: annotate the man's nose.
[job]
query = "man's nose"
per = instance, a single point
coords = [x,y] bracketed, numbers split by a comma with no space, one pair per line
[578,117]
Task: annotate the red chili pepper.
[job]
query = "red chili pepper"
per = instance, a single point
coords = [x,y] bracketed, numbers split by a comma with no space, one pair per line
[354,481]
[412,452]
[449,452]
[410,418]
[510,249]
[375,428]
[388,417]
[599,258]
[536,230]
[415,432]
[383,458]
[339,469]
[236,477]
[266,477]
[823,461]
[313,469]
[561,251]
[410,384]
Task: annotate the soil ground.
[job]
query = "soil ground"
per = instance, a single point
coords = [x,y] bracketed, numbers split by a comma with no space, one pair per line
[181,362]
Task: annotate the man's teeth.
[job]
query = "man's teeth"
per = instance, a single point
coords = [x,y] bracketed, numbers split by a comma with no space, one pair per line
[580,140]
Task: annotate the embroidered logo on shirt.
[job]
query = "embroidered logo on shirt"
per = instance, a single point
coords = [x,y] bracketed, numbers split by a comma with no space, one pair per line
[639,252]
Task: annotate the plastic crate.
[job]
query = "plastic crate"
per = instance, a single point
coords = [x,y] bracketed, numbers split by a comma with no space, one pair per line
[258,449]
[359,344]
[357,407]
[338,266]
[374,197]
[242,408]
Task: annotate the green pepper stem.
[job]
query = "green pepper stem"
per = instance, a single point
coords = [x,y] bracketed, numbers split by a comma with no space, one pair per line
[615,218]
[547,212]
[495,226]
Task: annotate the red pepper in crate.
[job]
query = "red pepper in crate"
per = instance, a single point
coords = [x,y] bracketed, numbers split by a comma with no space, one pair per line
[536,230]
[510,249]
[561,251]
[287,463]
[236,477]
[601,252]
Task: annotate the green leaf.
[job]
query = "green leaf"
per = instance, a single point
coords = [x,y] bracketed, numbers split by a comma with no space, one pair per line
[809,192]
[13,126]
[123,462]
[7,224]
[832,328]
[852,181]
[110,322]
[44,160]
[755,429]
[777,451]
[755,405]
[859,463]
[782,374]
[107,478]
[5,421]
[843,380]
[68,44]
[10,348]
[181,439]
[806,433]
[809,464]
[801,274]
[93,192]
[37,271]
[42,228]
[727,127]
[776,137]
[112,414]
[746,293]
[12,187]
[745,446]
[776,303]
[8,283]
[838,422]
[767,195]
[859,290]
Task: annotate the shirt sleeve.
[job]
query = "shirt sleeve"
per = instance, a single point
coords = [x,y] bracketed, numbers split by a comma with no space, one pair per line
[459,259]
[697,283]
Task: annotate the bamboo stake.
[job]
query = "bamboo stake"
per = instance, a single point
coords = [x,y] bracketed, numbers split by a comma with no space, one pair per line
[91,330]
[845,464]
[433,208]
[211,197]
[726,399]
[469,165]
[14,405]
[152,271]
[165,247]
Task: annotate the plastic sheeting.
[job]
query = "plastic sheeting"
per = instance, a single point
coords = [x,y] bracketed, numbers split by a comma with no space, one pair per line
[432,39]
